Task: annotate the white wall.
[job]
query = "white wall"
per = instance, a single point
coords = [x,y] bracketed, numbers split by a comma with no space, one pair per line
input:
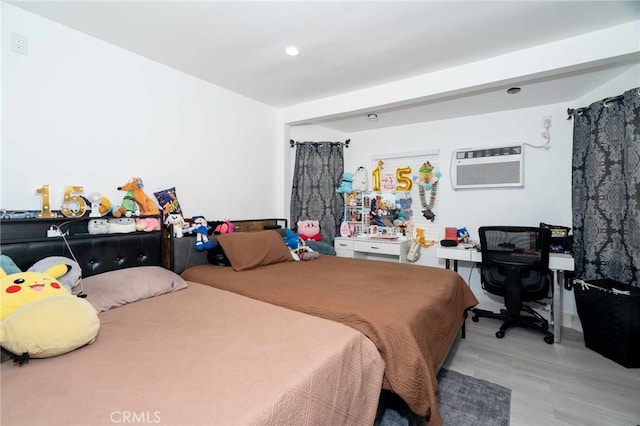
[78,111]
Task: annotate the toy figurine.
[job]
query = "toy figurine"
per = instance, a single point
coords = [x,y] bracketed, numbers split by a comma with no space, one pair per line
[176,224]
[201,229]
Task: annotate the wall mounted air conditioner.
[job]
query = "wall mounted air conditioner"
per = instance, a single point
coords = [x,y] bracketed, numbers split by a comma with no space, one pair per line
[490,167]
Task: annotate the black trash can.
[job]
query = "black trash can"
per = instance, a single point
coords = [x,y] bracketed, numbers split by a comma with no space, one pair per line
[610,315]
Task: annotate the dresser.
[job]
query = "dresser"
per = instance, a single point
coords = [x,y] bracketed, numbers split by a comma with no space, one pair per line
[372,248]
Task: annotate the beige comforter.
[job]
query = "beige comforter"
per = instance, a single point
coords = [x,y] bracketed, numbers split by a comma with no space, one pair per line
[412,313]
[201,356]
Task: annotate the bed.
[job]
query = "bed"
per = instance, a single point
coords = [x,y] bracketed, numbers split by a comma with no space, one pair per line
[412,313]
[177,352]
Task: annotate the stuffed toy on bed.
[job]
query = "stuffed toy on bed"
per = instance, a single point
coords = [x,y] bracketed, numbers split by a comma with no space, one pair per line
[309,230]
[39,318]
[299,250]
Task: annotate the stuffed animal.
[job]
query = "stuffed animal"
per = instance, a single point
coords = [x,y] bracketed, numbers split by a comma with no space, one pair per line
[292,239]
[176,222]
[345,187]
[70,279]
[305,253]
[128,207]
[98,226]
[39,318]
[309,230]
[463,235]
[420,239]
[148,224]
[23,287]
[360,181]
[225,227]
[201,229]
[148,207]
[299,250]
[122,225]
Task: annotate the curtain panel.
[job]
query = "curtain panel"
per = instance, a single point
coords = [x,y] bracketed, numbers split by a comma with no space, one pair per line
[317,173]
[606,189]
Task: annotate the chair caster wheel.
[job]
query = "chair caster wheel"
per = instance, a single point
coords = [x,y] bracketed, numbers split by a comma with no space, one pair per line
[549,339]
[499,334]
[475,318]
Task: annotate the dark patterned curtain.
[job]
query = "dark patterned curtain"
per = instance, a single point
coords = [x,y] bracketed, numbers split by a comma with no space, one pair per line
[606,189]
[317,174]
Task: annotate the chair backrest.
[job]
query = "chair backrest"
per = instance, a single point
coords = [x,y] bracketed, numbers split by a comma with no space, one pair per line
[515,261]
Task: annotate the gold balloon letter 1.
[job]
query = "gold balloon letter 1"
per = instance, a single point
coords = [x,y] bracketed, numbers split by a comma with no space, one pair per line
[376,176]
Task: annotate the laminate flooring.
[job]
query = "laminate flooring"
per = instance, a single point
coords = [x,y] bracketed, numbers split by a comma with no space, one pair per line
[560,384]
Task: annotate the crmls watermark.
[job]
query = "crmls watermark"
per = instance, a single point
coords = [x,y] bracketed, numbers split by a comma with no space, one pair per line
[135,417]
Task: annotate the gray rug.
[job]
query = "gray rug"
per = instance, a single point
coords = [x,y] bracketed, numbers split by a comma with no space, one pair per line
[463,400]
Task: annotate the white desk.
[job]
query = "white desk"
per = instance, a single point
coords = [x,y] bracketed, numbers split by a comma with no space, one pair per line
[558,264]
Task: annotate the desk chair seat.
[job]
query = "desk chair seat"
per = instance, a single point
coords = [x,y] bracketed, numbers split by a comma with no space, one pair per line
[515,265]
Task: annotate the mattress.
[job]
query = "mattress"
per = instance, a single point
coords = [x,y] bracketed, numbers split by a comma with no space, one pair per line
[201,356]
[412,313]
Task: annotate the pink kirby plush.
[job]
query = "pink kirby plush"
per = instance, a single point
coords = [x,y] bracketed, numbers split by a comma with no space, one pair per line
[309,230]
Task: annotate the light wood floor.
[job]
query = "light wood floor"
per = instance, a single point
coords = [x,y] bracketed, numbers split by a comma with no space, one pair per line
[560,384]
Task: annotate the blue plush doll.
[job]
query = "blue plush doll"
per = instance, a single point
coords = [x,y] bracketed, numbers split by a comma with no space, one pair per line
[291,239]
[201,229]
[346,185]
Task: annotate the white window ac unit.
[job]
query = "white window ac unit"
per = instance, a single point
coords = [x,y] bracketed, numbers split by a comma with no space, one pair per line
[491,167]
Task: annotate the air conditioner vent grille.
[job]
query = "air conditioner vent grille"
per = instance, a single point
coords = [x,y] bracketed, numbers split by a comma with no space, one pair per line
[488,167]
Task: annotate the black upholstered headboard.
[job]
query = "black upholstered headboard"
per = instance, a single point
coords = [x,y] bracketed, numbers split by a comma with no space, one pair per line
[94,253]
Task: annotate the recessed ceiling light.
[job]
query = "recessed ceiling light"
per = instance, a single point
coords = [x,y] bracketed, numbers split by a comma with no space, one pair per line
[292,51]
[372,117]
[513,90]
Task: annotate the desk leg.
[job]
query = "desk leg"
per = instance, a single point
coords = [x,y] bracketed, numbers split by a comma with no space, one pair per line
[447,264]
[556,304]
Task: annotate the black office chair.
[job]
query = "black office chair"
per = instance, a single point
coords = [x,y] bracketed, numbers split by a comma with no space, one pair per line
[515,265]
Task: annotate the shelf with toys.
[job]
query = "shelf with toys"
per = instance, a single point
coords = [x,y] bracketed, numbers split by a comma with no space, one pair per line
[356,214]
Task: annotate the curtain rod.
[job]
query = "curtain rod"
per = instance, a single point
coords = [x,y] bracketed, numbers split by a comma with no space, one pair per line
[578,111]
[296,143]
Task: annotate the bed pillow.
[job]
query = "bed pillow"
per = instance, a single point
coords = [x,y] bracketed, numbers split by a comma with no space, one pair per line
[248,250]
[116,288]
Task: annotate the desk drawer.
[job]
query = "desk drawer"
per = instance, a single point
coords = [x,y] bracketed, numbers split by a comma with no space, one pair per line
[377,247]
[343,244]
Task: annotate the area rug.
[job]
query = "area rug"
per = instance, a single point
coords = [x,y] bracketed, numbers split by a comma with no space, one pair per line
[463,400]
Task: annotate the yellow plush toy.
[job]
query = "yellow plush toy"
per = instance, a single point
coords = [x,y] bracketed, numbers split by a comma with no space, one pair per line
[420,239]
[39,318]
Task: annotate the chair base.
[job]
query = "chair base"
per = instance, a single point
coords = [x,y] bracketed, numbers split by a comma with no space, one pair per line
[533,321]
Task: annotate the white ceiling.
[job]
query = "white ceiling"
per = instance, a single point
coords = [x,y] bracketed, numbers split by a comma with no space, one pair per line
[346,46]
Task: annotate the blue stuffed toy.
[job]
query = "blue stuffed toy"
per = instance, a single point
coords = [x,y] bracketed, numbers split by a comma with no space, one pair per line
[291,239]
[346,185]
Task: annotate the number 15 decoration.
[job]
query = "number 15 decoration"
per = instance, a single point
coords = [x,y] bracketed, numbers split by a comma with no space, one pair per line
[402,178]
[73,205]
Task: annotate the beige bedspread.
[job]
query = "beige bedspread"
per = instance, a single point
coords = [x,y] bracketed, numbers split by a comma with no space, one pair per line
[201,356]
[412,313]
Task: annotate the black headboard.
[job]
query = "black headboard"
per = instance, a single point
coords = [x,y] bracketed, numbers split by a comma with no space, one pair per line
[183,254]
[94,253]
